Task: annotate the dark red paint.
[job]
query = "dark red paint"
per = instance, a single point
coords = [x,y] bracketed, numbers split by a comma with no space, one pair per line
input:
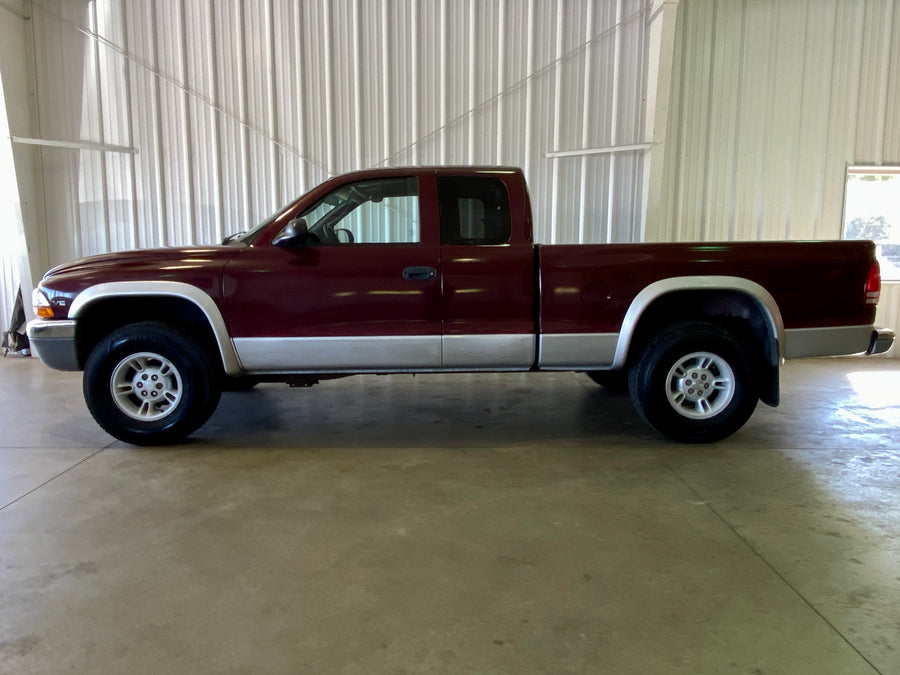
[266,291]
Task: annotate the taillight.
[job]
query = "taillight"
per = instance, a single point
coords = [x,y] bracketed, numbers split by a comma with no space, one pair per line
[873,284]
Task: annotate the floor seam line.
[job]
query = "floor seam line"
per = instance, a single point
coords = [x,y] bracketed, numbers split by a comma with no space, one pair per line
[53,478]
[771,567]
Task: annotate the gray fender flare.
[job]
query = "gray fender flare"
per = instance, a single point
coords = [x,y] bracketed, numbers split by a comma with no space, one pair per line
[192,294]
[763,299]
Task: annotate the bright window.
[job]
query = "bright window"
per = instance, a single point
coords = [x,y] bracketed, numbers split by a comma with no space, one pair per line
[872,211]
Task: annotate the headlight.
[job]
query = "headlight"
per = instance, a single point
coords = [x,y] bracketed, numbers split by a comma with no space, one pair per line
[41,304]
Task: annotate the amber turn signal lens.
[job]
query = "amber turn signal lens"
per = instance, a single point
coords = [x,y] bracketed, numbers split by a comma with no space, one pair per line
[44,312]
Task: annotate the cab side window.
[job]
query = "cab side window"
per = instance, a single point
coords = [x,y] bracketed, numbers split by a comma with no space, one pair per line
[474,210]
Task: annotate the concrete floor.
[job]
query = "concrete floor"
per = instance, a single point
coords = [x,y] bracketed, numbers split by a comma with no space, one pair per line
[453,524]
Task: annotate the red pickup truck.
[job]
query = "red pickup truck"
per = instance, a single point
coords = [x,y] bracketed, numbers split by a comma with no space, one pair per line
[434,270]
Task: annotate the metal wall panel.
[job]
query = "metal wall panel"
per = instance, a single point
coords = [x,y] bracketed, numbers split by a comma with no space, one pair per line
[772,102]
[235,107]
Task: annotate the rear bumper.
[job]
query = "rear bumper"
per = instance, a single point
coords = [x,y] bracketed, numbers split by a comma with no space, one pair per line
[882,340]
[837,341]
[54,343]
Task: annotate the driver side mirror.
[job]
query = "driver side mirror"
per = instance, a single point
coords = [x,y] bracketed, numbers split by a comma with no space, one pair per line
[295,233]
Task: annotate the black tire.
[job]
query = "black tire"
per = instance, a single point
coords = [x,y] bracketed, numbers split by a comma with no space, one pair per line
[695,383]
[614,381]
[167,385]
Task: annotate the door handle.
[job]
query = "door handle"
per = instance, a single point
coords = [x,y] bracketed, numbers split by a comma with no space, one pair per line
[419,273]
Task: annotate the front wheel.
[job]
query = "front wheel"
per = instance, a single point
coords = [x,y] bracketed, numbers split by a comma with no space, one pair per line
[694,383]
[149,384]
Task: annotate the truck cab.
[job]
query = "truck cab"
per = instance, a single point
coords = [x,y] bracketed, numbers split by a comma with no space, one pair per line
[397,270]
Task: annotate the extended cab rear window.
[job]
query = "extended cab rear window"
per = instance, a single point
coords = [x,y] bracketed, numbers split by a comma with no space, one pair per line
[474,210]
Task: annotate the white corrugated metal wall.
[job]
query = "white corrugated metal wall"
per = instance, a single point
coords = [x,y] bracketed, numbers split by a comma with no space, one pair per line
[772,100]
[236,107]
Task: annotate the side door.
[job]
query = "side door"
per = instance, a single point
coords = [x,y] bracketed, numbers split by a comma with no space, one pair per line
[488,279]
[358,290]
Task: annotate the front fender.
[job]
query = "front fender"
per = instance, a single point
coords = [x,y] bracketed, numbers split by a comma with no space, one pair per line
[119,289]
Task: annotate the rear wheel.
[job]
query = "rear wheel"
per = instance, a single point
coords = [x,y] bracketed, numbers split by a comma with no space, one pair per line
[149,384]
[695,383]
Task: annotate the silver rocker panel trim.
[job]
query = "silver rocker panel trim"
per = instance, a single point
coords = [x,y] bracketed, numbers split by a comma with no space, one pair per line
[339,354]
[577,351]
[386,353]
[488,352]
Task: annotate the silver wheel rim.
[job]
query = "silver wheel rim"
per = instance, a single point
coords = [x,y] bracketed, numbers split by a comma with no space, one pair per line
[146,386]
[700,385]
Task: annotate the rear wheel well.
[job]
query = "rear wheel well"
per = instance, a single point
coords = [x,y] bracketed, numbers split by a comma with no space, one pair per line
[102,317]
[736,311]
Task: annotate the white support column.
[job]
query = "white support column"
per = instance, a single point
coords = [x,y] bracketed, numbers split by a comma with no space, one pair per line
[660,54]
[12,226]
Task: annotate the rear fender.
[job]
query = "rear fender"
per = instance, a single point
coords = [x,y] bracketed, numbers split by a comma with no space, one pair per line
[773,343]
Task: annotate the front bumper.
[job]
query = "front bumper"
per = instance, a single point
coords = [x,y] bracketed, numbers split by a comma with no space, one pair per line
[53,342]
[881,341]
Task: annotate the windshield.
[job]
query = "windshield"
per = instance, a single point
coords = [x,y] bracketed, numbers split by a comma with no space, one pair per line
[375,211]
[382,210]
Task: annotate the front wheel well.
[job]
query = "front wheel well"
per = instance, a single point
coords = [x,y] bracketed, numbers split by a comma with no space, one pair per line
[736,311]
[102,317]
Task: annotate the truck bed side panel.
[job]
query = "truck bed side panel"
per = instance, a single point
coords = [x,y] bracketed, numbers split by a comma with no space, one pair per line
[587,290]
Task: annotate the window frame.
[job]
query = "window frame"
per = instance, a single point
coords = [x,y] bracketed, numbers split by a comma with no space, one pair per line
[890,266]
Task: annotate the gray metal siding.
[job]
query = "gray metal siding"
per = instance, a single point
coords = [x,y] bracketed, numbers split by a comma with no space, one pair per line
[772,102]
[237,107]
